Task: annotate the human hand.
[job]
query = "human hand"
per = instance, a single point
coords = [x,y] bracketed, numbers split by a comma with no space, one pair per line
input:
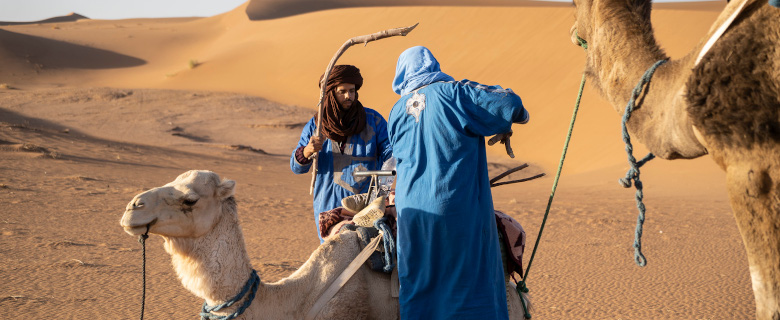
[314,146]
[504,138]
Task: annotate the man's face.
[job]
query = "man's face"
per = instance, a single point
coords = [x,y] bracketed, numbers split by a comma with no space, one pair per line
[345,95]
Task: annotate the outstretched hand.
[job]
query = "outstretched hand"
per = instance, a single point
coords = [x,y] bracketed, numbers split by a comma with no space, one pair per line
[504,139]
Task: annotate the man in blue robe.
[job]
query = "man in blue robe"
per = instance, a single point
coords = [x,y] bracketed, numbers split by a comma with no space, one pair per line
[449,261]
[354,139]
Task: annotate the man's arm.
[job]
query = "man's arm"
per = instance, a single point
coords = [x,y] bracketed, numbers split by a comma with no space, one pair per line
[297,166]
[385,150]
[493,109]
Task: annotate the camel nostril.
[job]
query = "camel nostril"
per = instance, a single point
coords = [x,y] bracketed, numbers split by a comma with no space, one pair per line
[138,204]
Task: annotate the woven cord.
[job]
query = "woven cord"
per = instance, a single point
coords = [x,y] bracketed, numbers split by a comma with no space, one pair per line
[142,239]
[633,172]
[521,286]
[250,286]
[388,243]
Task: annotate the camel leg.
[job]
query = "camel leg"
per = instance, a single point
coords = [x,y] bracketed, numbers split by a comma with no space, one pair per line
[754,191]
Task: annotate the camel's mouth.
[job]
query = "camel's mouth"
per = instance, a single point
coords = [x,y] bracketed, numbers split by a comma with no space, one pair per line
[137,229]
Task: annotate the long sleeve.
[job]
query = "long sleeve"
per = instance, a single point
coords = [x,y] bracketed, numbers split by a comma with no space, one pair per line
[492,109]
[308,131]
[385,150]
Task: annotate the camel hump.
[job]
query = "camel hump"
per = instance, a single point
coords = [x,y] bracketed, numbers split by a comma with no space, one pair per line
[724,99]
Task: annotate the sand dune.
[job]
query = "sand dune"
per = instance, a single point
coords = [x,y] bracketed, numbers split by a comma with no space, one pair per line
[271,9]
[66,18]
[524,48]
[95,111]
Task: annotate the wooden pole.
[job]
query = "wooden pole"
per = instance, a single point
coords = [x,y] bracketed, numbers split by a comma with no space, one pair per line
[365,39]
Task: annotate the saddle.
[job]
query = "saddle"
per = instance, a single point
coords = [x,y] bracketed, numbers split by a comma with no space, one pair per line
[359,213]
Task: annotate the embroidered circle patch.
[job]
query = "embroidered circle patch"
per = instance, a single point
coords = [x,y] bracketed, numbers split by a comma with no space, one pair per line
[415,105]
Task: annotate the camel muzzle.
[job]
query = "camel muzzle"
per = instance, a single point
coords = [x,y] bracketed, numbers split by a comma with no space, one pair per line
[135,228]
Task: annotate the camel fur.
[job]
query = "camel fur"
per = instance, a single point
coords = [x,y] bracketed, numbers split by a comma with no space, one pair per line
[727,106]
[197,217]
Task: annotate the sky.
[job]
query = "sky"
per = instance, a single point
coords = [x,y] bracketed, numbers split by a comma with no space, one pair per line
[34,10]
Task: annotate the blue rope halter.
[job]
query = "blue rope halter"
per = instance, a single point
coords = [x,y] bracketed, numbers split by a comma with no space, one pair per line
[252,283]
[633,173]
[388,242]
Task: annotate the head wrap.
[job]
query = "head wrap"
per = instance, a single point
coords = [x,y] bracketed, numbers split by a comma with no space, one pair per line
[338,124]
[416,68]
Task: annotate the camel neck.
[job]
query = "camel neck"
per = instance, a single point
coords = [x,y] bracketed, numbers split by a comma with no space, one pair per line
[620,51]
[215,266]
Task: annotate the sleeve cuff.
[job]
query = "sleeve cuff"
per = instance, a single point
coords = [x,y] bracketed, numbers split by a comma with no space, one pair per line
[526,117]
[300,159]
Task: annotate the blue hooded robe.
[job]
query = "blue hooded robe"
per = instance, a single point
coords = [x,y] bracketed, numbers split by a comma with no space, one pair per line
[449,261]
[366,151]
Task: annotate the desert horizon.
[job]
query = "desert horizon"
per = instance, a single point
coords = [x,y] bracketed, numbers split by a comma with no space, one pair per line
[96,111]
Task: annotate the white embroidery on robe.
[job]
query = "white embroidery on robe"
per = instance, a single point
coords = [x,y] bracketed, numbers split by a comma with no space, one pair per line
[415,105]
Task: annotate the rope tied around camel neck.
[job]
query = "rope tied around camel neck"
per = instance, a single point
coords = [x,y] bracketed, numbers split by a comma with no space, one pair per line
[250,287]
[633,172]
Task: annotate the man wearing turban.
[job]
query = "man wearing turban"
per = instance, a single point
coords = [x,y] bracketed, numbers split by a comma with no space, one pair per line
[449,260]
[354,138]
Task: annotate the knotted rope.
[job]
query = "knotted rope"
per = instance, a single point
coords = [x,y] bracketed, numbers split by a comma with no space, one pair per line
[388,242]
[633,172]
[251,283]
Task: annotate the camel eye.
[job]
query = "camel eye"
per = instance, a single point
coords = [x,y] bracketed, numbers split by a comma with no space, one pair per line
[190,202]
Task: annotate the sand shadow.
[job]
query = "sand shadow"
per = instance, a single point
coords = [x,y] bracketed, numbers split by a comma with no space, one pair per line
[266,10]
[44,53]
[69,18]
[55,134]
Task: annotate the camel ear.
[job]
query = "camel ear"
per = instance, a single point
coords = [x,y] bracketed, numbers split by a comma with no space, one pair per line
[226,189]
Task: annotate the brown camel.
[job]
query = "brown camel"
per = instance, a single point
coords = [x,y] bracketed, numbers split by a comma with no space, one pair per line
[728,105]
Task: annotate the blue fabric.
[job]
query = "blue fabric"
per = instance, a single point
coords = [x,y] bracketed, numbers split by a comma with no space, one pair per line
[449,261]
[366,151]
[417,67]
[775,3]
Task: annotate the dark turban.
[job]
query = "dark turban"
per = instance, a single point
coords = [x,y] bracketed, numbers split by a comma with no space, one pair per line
[339,124]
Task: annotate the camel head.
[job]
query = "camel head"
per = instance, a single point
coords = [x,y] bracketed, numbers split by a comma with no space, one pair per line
[187,207]
[590,14]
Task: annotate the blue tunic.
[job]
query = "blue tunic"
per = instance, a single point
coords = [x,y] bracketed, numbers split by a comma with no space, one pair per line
[366,151]
[449,261]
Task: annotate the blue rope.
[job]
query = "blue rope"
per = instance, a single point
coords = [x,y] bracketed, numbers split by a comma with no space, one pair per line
[388,242]
[633,173]
[252,283]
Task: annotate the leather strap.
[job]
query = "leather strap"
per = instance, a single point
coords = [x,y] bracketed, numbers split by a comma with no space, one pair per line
[343,277]
[719,32]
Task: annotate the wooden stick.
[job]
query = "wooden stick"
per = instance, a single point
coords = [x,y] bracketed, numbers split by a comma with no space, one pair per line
[516,181]
[365,39]
[508,172]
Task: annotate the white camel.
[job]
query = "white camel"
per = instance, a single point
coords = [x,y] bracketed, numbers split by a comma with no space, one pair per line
[197,217]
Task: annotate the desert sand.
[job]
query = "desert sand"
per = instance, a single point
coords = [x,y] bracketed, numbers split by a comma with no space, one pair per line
[93,112]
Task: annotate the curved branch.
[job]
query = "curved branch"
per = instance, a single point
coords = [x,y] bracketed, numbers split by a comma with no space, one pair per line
[364,39]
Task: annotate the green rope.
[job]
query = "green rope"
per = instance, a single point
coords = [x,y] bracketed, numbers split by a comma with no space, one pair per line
[521,287]
[582,42]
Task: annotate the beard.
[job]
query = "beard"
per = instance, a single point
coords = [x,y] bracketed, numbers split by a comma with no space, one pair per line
[346,104]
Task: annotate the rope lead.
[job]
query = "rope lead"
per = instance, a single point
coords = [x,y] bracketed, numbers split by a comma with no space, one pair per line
[521,287]
[142,239]
[633,172]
